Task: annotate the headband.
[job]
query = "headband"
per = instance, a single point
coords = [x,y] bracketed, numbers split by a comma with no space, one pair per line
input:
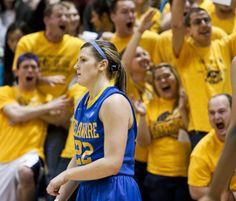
[113,67]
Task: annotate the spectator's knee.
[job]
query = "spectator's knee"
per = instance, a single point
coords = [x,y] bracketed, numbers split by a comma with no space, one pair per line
[25,176]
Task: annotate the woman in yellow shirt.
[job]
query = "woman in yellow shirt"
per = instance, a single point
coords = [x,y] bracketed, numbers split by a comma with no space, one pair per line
[162,129]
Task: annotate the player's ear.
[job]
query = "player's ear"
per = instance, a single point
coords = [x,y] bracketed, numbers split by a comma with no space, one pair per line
[103,65]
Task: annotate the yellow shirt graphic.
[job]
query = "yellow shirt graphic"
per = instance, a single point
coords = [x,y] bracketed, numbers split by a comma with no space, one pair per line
[166,155]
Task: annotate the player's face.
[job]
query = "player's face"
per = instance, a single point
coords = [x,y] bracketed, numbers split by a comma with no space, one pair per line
[141,61]
[165,83]
[124,17]
[28,73]
[86,67]
[200,28]
[219,112]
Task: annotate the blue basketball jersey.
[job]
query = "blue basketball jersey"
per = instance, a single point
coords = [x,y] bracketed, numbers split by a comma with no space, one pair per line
[89,133]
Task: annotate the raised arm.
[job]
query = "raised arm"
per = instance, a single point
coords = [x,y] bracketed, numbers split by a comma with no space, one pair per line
[183,107]
[116,130]
[227,163]
[130,50]
[18,113]
[177,25]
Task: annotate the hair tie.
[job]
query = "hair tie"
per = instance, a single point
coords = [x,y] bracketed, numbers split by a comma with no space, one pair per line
[114,67]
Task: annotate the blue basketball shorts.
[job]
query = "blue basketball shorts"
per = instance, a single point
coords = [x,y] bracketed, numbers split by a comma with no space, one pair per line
[114,188]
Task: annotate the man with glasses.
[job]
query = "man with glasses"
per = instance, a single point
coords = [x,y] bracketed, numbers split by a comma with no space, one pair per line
[203,64]
[165,39]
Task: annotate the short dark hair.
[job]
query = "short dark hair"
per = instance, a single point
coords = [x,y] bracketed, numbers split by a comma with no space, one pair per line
[26,56]
[193,10]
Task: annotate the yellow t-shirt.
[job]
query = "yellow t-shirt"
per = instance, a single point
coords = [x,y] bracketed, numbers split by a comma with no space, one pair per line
[156,19]
[164,54]
[140,92]
[75,92]
[204,159]
[148,41]
[165,40]
[217,33]
[54,58]
[205,72]
[18,139]
[166,155]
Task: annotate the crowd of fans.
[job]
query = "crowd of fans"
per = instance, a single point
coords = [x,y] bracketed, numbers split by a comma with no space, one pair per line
[177,56]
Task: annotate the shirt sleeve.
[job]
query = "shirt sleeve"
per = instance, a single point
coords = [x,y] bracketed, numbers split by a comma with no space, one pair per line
[6,96]
[199,173]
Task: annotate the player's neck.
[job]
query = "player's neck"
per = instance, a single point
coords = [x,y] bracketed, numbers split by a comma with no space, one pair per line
[97,88]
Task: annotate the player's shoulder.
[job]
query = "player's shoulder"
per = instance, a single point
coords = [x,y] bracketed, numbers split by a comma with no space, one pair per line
[116,100]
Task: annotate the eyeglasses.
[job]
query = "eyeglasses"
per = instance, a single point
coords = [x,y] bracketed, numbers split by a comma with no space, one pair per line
[198,21]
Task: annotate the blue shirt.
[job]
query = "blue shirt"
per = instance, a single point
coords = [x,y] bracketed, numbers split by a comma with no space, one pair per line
[89,133]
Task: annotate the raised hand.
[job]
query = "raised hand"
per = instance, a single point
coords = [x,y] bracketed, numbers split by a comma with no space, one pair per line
[146,22]
[139,107]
